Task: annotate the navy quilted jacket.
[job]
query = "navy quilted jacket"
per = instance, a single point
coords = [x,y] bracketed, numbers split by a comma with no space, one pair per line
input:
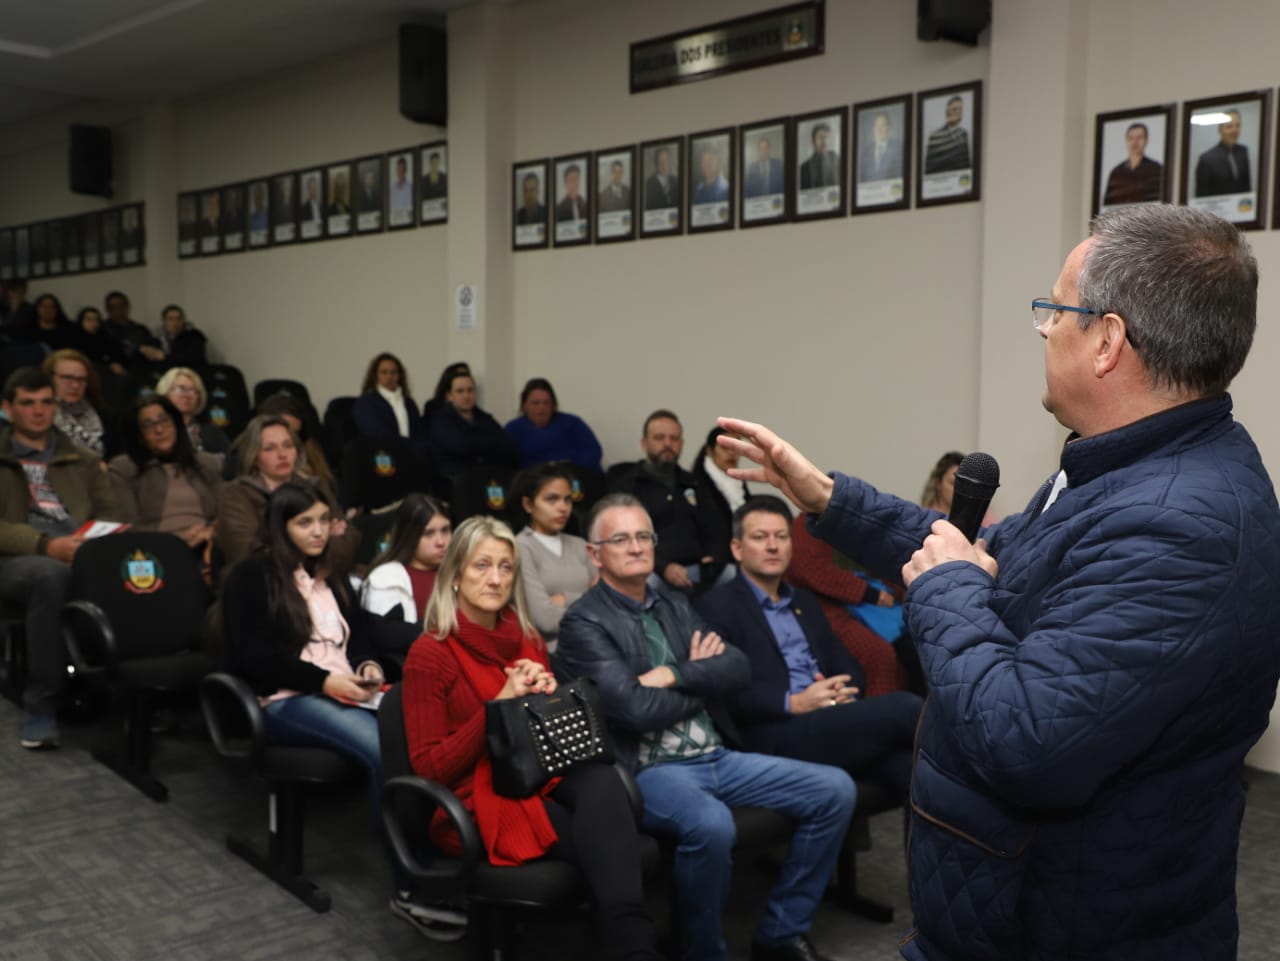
[1077,789]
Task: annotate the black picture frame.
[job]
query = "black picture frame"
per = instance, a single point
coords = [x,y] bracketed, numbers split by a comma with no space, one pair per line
[368,200]
[1207,179]
[940,151]
[433,183]
[110,227]
[209,228]
[402,198]
[234,239]
[53,242]
[312,222]
[133,235]
[571,216]
[188,224]
[258,213]
[91,241]
[709,188]
[39,250]
[814,195]
[338,179]
[530,226]
[7,269]
[73,244]
[881,168]
[1117,181]
[615,204]
[764,173]
[286,201]
[661,195]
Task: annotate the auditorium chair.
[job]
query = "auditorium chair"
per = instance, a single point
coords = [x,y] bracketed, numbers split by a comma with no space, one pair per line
[279,385]
[338,428]
[227,406]
[375,473]
[484,489]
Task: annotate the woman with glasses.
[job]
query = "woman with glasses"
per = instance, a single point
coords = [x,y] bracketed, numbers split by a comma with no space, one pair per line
[186,392]
[78,393]
[557,569]
[162,483]
[480,646]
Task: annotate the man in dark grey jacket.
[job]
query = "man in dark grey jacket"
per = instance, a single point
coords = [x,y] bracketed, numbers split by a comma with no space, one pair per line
[658,669]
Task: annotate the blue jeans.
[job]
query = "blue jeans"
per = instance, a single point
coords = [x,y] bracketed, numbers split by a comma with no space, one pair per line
[688,801]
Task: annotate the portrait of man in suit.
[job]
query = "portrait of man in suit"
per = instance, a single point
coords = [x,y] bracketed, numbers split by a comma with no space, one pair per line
[187,217]
[1224,167]
[1137,179]
[232,210]
[532,210]
[762,173]
[712,186]
[948,146]
[312,209]
[881,156]
[259,218]
[822,168]
[616,194]
[435,182]
[572,204]
[400,193]
[662,186]
[369,197]
[211,222]
[339,200]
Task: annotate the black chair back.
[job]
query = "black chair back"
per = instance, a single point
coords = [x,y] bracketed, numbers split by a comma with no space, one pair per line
[150,587]
[588,487]
[279,385]
[375,532]
[228,401]
[376,473]
[484,489]
[339,427]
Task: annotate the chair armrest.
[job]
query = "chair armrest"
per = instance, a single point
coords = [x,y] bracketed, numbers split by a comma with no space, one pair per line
[90,639]
[233,716]
[410,800]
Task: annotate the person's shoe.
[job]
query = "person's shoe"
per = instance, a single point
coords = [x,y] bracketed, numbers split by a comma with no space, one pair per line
[439,921]
[39,731]
[798,950]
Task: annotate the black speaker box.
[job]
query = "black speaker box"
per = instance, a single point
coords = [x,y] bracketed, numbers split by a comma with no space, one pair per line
[423,74]
[89,160]
[960,21]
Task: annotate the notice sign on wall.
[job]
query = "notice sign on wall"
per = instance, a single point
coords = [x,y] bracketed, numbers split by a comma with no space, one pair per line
[786,33]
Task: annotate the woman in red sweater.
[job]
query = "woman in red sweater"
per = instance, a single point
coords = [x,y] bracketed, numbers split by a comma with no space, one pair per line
[480,646]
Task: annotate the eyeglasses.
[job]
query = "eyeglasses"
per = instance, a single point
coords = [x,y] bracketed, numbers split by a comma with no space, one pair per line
[1044,314]
[153,425]
[183,389]
[643,538]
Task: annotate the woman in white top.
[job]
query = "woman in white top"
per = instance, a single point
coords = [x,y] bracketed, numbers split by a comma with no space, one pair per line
[555,565]
[385,407]
[404,574]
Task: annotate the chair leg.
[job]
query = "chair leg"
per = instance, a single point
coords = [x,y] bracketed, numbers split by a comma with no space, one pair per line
[490,930]
[845,890]
[133,761]
[282,862]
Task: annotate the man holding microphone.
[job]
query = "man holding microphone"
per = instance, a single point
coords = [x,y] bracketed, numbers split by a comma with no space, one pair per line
[1101,663]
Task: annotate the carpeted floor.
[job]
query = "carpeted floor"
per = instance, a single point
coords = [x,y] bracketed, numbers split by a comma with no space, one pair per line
[90,870]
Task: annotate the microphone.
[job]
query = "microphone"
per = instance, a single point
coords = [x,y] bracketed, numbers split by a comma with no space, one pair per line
[977,478]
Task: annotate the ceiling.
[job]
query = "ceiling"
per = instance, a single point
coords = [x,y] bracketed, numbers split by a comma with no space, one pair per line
[55,53]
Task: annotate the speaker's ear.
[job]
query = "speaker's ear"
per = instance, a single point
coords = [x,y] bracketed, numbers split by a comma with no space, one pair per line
[89,160]
[423,74]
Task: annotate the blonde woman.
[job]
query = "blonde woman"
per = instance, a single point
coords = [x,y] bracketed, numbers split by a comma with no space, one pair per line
[186,391]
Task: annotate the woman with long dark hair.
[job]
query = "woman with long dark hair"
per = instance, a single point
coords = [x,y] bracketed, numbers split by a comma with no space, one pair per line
[461,434]
[480,645]
[385,407]
[162,483]
[404,575]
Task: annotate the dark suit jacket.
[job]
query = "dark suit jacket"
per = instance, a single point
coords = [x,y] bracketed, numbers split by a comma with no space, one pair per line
[434,191]
[811,171]
[564,209]
[756,184]
[655,198]
[890,167]
[609,204]
[537,216]
[1213,172]
[733,612]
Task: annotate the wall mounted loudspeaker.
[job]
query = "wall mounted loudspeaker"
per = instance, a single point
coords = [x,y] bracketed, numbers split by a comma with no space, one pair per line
[423,74]
[960,21]
[89,160]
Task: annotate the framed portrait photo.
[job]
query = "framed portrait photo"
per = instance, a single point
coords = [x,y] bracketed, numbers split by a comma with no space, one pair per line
[529,205]
[433,190]
[39,250]
[949,145]
[210,227]
[367,202]
[1224,156]
[233,238]
[188,224]
[402,196]
[615,200]
[764,172]
[881,155]
[132,236]
[337,199]
[661,200]
[710,191]
[258,219]
[572,212]
[53,230]
[311,218]
[91,240]
[73,244]
[285,204]
[6,254]
[821,168]
[1133,157]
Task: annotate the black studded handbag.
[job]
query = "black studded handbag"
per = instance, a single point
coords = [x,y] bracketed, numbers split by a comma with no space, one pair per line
[534,738]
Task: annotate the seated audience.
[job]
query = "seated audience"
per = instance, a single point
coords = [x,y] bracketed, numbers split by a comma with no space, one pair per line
[16,311]
[461,434]
[96,342]
[385,407]
[51,326]
[437,400]
[268,455]
[813,568]
[806,697]
[557,570]
[162,483]
[481,646]
[693,544]
[401,578]
[661,673]
[183,344]
[712,468]
[186,392]
[544,433]
[49,488]
[298,417]
[78,393]
[137,345]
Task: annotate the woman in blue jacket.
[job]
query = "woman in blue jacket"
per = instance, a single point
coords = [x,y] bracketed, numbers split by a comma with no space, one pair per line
[546,434]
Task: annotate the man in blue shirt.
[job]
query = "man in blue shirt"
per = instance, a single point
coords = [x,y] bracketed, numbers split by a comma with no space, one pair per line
[803,700]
